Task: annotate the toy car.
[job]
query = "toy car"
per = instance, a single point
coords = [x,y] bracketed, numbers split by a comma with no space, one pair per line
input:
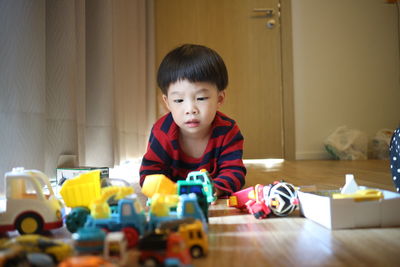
[28,208]
[156,248]
[36,243]
[13,256]
[204,177]
[86,261]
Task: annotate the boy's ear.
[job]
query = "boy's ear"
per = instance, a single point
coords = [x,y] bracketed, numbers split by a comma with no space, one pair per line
[221,97]
[165,99]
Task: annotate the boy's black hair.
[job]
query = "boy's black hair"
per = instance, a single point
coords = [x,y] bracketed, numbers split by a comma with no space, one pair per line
[195,63]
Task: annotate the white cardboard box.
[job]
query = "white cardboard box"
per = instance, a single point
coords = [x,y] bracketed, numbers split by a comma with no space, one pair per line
[68,173]
[347,213]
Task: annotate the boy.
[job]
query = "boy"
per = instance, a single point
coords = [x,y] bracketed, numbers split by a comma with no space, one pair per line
[195,135]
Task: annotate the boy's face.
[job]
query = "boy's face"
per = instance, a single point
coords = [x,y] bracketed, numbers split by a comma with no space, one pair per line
[193,106]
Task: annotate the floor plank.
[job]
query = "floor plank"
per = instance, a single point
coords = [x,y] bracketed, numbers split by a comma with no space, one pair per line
[326,174]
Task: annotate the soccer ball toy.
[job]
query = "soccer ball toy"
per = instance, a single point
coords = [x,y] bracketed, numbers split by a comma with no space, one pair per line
[281,197]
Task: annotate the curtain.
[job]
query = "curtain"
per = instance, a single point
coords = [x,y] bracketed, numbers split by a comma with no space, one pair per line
[76,78]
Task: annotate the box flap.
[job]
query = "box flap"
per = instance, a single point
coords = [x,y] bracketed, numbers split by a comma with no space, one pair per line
[316,208]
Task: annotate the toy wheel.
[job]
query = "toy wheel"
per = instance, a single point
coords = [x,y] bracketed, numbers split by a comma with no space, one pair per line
[196,252]
[29,223]
[131,235]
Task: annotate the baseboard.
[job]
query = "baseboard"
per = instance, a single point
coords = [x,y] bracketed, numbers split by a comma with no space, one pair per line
[312,155]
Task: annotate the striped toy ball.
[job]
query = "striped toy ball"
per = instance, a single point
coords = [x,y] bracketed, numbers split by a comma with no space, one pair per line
[282,198]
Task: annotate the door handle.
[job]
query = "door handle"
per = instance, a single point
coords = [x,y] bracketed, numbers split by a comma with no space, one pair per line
[269,12]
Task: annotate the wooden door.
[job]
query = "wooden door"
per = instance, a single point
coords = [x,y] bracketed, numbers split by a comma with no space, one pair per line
[250,44]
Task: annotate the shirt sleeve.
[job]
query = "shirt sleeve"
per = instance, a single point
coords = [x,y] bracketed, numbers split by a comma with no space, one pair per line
[231,170]
[157,157]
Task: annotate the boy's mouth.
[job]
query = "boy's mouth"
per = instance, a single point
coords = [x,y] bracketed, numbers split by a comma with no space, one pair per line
[192,123]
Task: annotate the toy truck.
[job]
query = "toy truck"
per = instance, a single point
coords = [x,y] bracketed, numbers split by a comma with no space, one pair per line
[85,195]
[192,231]
[204,177]
[156,248]
[129,218]
[28,209]
[78,193]
[197,188]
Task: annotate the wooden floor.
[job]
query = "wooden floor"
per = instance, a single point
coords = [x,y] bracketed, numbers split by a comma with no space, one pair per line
[328,174]
[238,239]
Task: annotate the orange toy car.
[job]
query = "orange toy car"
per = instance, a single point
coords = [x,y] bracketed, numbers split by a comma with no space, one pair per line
[86,261]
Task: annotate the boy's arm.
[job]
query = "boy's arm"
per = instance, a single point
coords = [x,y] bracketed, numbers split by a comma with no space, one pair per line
[156,157]
[231,170]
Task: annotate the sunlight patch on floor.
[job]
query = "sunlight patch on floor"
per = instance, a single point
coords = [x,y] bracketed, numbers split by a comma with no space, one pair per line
[267,163]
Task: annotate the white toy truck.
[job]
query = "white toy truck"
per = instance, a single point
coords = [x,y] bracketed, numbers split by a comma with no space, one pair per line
[27,207]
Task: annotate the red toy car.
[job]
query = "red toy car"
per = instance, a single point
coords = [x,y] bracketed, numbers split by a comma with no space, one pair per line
[156,248]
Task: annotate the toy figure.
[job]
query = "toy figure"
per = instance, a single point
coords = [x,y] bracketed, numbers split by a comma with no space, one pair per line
[258,206]
[279,197]
[195,135]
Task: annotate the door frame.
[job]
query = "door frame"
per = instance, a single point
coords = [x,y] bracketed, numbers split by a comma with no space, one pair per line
[289,145]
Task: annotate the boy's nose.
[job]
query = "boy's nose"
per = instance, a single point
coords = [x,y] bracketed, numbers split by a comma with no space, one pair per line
[192,109]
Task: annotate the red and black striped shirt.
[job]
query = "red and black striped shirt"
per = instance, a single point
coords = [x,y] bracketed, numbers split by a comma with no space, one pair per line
[222,157]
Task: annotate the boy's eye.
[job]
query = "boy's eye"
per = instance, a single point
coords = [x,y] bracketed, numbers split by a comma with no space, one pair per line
[202,98]
[178,100]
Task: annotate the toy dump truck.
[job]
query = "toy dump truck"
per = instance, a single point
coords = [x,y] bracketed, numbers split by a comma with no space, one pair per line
[28,208]
[78,193]
[85,196]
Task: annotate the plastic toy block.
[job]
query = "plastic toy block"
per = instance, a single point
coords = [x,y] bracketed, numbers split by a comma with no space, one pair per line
[361,195]
[158,183]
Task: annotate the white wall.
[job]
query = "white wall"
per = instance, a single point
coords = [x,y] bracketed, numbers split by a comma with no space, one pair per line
[346,69]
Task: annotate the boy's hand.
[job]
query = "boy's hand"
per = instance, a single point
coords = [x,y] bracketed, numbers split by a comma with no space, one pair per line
[217,194]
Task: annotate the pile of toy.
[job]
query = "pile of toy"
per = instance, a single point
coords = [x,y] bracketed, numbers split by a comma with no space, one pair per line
[105,220]
[110,227]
